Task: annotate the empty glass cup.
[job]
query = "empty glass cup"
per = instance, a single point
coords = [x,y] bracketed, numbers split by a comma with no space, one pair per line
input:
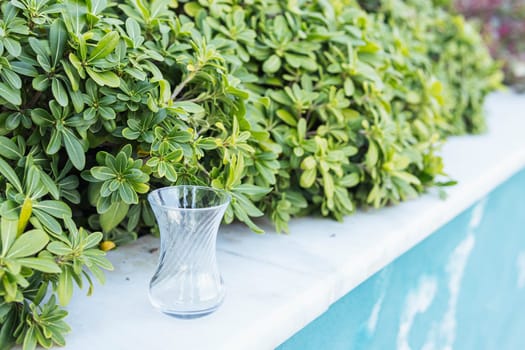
[187,282]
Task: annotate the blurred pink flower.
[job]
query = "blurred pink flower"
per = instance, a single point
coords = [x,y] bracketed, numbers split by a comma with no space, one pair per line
[503,25]
[504,29]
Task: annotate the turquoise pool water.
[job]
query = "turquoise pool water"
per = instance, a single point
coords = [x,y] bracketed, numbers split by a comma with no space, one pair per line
[461,288]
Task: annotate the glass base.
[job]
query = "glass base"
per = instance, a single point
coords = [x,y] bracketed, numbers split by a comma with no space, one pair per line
[189,311]
[188,315]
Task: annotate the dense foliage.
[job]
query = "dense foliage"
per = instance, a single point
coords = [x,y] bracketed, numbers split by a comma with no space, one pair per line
[457,55]
[293,107]
[100,103]
[359,98]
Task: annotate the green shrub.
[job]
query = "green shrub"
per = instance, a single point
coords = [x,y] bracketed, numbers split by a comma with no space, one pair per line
[458,58]
[357,111]
[100,102]
[467,70]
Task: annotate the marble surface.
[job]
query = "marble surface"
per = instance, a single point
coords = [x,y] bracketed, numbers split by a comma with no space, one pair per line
[276,284]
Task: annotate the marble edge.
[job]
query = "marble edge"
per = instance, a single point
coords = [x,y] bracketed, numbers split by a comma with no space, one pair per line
[329,290]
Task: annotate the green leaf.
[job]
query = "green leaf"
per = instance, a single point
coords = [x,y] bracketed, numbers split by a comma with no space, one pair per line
[192,8]
[190,107]
[12,79]
[308,178]
[106,78]
[131,134]
[47,221]
[102,173]
[10,209]
[57,209]
[10,175]
[57,41]
[133,30]
[41,83]
[105,46]
[55,142]
[41,117]
[93,240]
[4,311]
[59,248]
[24,68]
[136,73]
[59,92]
[329,187]
[165,91]
[75,61]
[308,163]
[42,340]
[241,214]
[29,243]
[9,149]
[115,214]
[65,286]
[349,87]
[10,95]
[13,47]
[78,100]
[272,64]
[30,339]
[41,264]
[349,180]
[372,155]
[71,75]
[403,175]
[34,188]
[50,185]
[74,149]
[8,233]
[98,258]
[25,211]
[247,206]
[127,193]
[39,47]
[286,117]
[103,204]
[252,190]
[341,194]
[9,325]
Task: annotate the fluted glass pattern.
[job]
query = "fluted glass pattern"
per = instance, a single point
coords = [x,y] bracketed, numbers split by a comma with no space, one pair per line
[187,282]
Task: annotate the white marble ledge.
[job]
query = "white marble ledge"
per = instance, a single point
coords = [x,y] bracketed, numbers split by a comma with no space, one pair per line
[276,284]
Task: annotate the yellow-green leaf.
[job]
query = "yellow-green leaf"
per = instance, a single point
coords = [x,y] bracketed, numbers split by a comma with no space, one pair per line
[30,243]
[105,46]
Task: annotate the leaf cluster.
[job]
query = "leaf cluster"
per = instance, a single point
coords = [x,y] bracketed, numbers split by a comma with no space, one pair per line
[100,102]
[459,59]
[360,98]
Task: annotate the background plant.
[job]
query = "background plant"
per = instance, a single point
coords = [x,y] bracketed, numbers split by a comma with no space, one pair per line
[503,27]
[466,68]
[359,100]
[459,59]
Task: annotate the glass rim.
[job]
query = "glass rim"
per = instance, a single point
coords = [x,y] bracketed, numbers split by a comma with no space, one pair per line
[219,192]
